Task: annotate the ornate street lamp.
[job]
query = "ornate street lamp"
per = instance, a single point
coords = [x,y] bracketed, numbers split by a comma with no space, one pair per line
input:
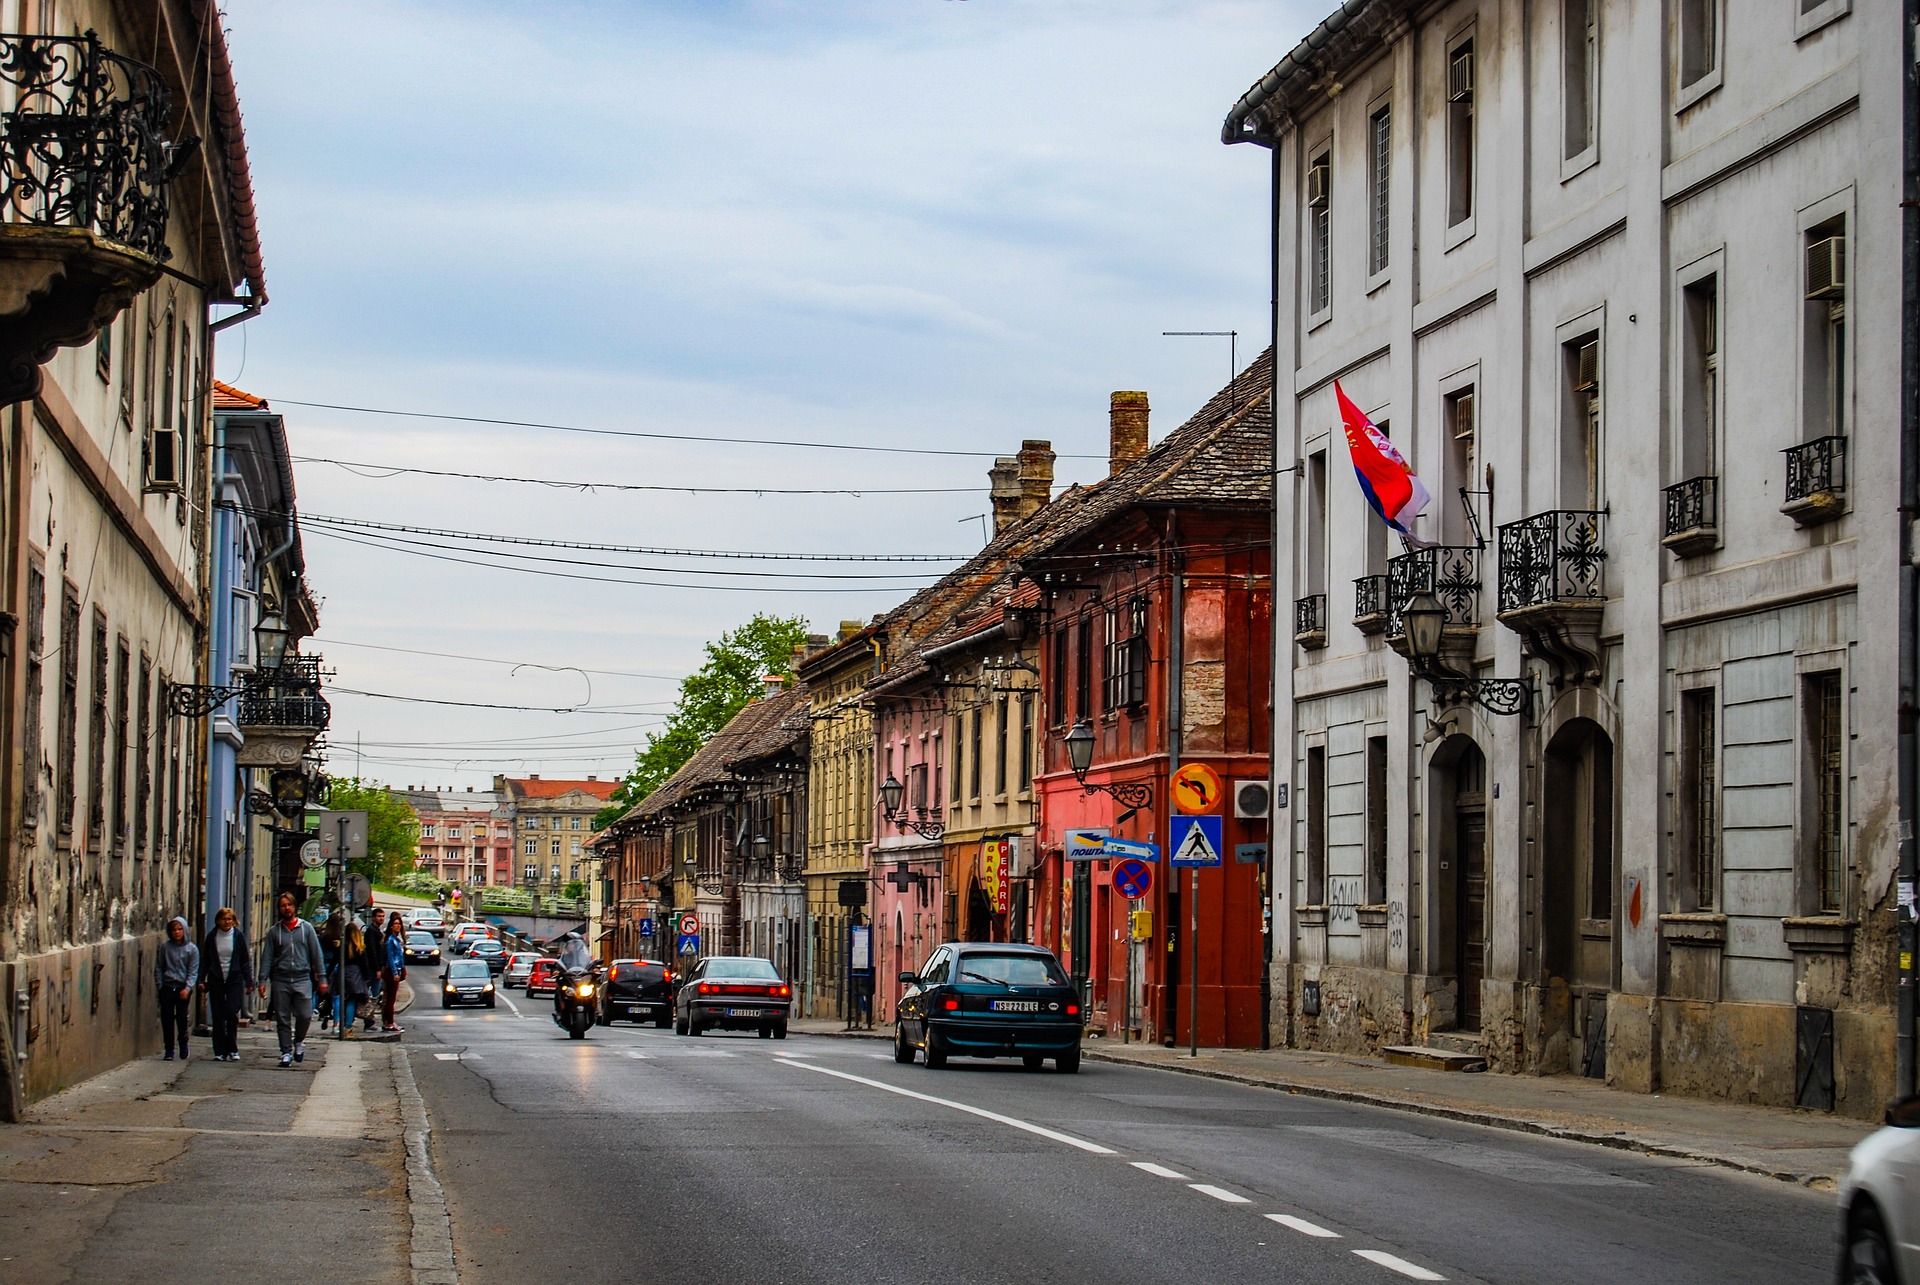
[1128,794]
[270,639]
[197,700]
[891,792]
[1426,622]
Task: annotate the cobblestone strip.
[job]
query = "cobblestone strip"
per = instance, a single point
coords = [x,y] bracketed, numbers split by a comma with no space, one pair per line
[431,1252]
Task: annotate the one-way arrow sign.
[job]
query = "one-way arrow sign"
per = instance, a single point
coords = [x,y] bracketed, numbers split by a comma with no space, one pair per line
[1196,841]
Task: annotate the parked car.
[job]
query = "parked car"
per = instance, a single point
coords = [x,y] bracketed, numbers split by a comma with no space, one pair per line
[491,951]
[1879,1218]
[989,999]
[637,990]
[426,921]
[544,977]
[422,948]
[466,981]
[733,993]
[466,934]
[519,965]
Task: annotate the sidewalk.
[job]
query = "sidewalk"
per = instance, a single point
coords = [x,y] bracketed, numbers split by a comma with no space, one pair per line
[226,1171]
[1802,1147]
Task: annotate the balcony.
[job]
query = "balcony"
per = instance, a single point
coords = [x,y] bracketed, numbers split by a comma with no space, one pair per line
[1816,481]
[1451,573]
[1310,621]
[1693,516]
[281,712]
[1370,604]
[84,169]
[1552,588]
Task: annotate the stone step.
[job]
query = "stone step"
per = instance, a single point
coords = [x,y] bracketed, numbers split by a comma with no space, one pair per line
[1458,1042]
[1433,1059]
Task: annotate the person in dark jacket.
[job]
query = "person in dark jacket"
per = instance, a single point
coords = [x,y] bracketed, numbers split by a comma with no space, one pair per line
[226,974]
[377,965]
[293,967]
[176,971]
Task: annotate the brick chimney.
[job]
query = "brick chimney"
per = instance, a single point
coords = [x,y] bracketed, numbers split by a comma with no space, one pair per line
[1004,489]
[848,628]
[1127,430]
[1036,475]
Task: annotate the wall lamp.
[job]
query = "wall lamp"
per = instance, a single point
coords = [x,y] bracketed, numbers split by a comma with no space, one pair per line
[1128,794]
[1425,620]
[891,792]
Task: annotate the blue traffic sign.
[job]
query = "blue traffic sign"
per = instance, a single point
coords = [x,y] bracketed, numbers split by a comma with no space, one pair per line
[689,943]
[1138,849]
[1133,878]
[1196,841]
[646,927]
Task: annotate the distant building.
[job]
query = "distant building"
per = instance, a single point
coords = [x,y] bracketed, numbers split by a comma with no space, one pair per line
[553,820]
[466,836]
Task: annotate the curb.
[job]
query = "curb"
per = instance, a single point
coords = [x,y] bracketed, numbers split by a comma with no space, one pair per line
[1490,1119]
[430,1258]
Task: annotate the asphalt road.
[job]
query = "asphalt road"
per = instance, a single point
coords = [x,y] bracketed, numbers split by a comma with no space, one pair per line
[639,1155]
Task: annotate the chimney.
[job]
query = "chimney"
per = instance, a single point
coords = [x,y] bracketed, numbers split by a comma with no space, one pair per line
[1004,488]
[848,628]
[772,685]
[592,777]
[1036,476]
[533,776]
[1127,430]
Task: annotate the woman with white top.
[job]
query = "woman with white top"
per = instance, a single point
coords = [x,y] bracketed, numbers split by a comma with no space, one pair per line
[226,973]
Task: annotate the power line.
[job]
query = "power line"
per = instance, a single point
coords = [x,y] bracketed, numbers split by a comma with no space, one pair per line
[666,437]
[537,709]
[395,470]
[495,660]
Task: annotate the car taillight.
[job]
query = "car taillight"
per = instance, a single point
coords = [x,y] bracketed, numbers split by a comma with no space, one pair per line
[783,991]
[1073,1010]
[705,989]
[951,1005]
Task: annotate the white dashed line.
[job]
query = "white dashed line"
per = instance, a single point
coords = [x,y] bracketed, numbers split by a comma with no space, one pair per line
[448,1057]
[1401,1265]
[1044,1132]
[640,1057]
[1304,1227]
[1158,1171]
[1219,1193]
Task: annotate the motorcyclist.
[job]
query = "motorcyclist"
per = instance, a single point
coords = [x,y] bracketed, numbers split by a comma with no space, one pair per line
[575,959]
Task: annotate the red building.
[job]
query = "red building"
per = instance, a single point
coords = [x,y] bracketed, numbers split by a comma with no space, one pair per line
[1158,639]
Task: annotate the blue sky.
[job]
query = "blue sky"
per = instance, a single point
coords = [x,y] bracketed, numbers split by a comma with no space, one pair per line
[951,223]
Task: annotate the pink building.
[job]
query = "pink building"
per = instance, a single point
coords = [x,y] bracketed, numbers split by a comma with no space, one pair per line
[911,914]
[466,836]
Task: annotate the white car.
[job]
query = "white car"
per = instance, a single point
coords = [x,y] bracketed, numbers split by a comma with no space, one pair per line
[1880,1203]
[467,934]
[427,921]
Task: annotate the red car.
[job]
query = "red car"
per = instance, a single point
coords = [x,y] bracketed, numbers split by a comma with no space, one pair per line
[545,977]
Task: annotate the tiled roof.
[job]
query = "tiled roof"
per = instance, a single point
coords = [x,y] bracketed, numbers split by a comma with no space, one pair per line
[546,788]
[227,397]
[762,727]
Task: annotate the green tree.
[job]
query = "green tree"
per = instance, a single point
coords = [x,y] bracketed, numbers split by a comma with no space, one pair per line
[709,698]
[393,832]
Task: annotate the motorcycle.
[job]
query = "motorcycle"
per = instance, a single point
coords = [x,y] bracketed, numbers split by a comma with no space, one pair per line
[576,1003]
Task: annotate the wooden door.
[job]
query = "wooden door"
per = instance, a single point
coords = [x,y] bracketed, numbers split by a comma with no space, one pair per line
[1470,849]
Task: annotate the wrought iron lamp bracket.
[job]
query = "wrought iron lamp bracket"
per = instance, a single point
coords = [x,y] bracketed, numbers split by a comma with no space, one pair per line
[197,700]
[1495,695]
[1128,794]
[925,829]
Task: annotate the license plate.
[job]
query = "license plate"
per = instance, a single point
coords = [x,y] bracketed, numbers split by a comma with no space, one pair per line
[1016,1006]
[746,1012]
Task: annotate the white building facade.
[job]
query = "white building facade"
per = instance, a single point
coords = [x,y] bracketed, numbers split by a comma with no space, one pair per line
[1622,280]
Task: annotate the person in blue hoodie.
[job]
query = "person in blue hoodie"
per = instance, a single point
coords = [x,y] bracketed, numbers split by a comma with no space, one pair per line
[176,971]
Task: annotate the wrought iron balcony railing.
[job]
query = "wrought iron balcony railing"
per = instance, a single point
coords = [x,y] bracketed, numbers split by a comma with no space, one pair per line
[1450,573]
[1370,604]
[1552,557]
[83,144]
[1693,515]
[287,695]
[1816,480]
[1310,620]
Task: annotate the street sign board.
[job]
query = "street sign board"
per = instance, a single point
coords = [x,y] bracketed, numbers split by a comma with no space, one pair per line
[310,854]
[689,924]
[1197,789]
[359,892]
[330,832]
[1085,845]
[1133,878]
[1138,849]
[646,927]
[1196,841]
[314,878]
[1249,854]
[994,879]
[689,943]
[859,948]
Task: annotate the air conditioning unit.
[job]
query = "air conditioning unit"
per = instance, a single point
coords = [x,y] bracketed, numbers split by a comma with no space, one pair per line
[1252,800]
[1827,268]
[1319,179]
[1586,366]
[1460,77]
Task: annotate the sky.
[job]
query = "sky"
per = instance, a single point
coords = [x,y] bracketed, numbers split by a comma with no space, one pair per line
[920,225]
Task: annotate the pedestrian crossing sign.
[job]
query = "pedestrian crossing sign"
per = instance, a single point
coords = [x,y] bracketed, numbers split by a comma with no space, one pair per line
[1196,841]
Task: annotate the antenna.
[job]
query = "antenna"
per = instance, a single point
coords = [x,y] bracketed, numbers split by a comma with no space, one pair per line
[1233,356]
[981,518]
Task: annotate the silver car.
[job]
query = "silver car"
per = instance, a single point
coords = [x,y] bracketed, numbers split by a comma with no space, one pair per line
[519,965]
[1880,1203]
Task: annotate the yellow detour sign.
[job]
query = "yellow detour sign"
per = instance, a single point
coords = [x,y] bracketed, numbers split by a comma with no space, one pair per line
[1197,789]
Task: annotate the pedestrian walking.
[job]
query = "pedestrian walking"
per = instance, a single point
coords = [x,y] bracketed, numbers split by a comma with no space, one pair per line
[377,958]
[357,978]
[396,946]
[226,975]
[330,936]
[292,965]
[176,971]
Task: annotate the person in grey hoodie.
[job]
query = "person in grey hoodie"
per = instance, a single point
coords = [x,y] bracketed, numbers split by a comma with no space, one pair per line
[291,965]
[176,971]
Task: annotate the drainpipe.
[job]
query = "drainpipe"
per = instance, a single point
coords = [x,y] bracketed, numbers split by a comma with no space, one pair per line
[1909,751]
[253,305]
[1176,662]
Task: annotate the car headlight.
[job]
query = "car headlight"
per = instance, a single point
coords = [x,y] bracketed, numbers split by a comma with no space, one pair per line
[487,987]
[449,988]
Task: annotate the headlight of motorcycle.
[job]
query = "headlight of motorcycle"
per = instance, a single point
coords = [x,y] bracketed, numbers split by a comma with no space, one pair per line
[584,990]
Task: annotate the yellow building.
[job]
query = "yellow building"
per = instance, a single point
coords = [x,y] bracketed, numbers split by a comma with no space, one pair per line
[553,820]
[840,790]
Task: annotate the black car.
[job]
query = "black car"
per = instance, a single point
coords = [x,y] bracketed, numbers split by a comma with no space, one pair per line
[422,948]
[637,990]
[491,952]
[989,999]
[733,993]
[466,981]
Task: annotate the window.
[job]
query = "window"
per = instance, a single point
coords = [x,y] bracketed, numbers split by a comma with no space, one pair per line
[117,831]
[162,446]
[1460,140]
[173,780]
[1026,742]
[36,678]
[1825,740]
[1700,391]
[1315,572]
[1126,654]
[1462,427]
[453,832]
[1579,74]
[973,752]
[533,847]
[1376,889]
[1059,688]
[1699,818]
[573,823]
[1699,40]
[67,735]
[1316,825]
[1083,669]
[917,786]
[953,768]
[1000,743]
[97,738]
[142,758]
[1379,175]
[1580,438]
[427,832]
[555,848]
[1824,382]
[241,630]
[574,850]
[1320,233]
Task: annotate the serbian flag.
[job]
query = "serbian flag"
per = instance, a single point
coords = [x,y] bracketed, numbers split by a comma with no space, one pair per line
[1389,485]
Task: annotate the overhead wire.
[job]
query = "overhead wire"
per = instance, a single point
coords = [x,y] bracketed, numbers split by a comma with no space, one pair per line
[860,492]
[494,660]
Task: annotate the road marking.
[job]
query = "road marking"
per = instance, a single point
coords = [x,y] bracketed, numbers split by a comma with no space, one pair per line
[1041,1130]
[1219,1193]
[1158,1171]
[448,1057]
[508,1001]
[641,1057]
[1401,1265]
[1304,1227]
[882,1057]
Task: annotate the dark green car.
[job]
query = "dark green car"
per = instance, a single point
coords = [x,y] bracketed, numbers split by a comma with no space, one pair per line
[989,999]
